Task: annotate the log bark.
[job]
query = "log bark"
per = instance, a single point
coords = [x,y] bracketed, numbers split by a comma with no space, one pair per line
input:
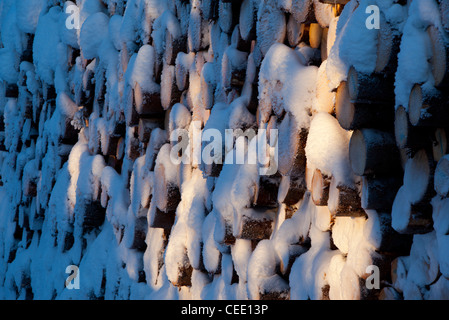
[373,151]
[428,107]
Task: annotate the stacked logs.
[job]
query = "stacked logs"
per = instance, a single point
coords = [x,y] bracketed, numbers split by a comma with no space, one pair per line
[94,157]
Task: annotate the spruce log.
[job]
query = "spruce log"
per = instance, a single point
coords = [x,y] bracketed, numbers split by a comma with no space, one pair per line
[372,151]
[292,159]
[441,179]
[170,93]
[419,177]
[138,234]
[408,218]
[303,11]
[344,200]
[185,270]
[208,85]
[291,190]
[247,20]
[173,46]
[375,87]
[146,126]
[271,26]
[378,192]
[147,104]
[94,215]
[266,192]
[296,32]
[255,224]
[315,35]
[387,240]
[428,107]
[320,188]
[233,68]
[162,220]
[440,54]
[440,144]
[270,288]
[238,42]
[362,114]
[408,136]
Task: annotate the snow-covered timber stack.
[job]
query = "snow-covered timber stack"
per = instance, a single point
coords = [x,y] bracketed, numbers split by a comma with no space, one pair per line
[355,177]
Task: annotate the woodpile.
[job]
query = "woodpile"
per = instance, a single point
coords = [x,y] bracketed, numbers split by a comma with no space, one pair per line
[353,190]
